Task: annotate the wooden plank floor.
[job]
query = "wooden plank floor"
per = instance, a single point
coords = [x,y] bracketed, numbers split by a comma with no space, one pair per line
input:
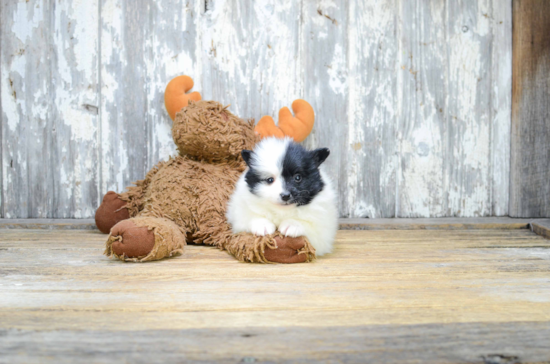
[426,296]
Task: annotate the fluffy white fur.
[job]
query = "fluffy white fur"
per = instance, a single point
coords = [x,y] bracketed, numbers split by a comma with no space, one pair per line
[264,211]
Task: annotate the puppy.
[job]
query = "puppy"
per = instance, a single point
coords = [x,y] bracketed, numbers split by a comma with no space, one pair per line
[284,188]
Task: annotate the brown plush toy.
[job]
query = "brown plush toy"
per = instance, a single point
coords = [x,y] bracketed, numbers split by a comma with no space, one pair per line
[183,200]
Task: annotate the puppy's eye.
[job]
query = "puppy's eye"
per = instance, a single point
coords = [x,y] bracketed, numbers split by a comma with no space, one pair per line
[298,178]
[270,180]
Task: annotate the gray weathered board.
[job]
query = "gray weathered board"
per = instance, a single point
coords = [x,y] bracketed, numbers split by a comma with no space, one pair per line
[413,97]
[530,150]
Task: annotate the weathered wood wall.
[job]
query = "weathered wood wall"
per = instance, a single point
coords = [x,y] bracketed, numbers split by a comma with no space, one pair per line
[413,97]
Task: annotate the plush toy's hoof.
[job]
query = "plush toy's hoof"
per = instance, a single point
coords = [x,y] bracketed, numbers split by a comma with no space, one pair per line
[130,240]
[110,212]
[289,250]
[143,238]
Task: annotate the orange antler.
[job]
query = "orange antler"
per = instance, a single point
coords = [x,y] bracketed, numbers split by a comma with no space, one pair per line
[176,96]
[298,127]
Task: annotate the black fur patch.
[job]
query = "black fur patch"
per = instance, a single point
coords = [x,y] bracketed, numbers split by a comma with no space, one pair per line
[252,179]
[305,164]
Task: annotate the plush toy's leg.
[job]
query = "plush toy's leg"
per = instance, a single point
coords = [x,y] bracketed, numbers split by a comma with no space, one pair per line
[270,248]
[141,239]
[111,211]
[247,247]
[290,250]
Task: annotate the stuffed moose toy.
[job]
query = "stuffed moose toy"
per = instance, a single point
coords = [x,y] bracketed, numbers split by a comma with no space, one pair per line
[183,200]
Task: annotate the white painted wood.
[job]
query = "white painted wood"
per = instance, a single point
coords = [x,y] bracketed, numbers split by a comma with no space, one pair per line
[75,98]
[124,32]
[501,100]
[49,109]
[276,67]
[325,65]
[469,118]
[371,148]
[26,109]
[423,127]
[225,54]
[412,97]
[172,50]
[454,144]
[251,55]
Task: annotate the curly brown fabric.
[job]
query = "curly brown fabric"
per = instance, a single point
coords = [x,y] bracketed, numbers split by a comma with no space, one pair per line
[208,131]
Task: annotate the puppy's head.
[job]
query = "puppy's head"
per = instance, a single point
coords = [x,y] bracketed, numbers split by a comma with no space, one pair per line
[283,172]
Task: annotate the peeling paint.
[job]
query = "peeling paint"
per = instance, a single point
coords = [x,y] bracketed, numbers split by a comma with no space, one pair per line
[26,20]
[338,80]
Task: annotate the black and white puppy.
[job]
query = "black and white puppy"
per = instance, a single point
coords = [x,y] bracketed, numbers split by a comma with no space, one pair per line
[285,188]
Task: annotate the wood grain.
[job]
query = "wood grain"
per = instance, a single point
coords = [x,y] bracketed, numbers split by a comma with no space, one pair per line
[250,55]
[541,227]
[518,342]
[371,151]
[377,277]
[27,110]
[49,109]
[173,49]
[124,33]
[275,59]
[501,101]
[225,51]
[75,85]
[442,296]
[325,63]
[454,150]
[468,119]
[530,151]
[423,172]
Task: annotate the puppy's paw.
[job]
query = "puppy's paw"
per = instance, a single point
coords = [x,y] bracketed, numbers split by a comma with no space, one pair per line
[262,227]
[291,228]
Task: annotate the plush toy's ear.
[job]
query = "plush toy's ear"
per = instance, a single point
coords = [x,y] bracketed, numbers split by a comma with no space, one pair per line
[320,155]
[176,96]
[247,155]
[297,127]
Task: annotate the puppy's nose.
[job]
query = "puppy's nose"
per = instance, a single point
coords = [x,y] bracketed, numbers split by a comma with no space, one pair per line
[285,196]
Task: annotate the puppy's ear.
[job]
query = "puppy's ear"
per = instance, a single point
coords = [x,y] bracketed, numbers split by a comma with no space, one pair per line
[247,155]
[319,155]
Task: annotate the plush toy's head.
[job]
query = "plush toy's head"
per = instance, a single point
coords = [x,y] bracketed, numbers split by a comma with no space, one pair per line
[206,130]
